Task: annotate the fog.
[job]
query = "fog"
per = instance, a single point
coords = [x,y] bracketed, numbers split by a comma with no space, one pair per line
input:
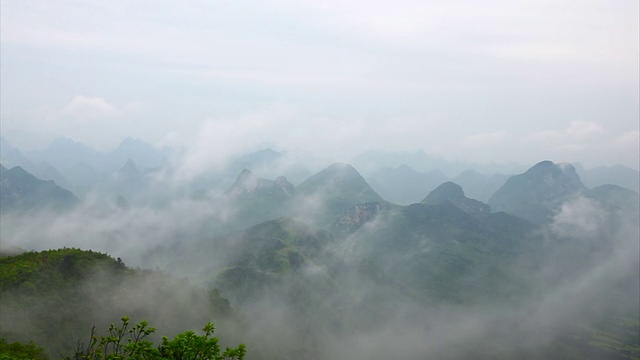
[581,269]
[252,132]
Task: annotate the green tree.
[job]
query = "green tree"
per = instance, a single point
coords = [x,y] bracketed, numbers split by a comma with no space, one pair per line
[125,342]
[19,351]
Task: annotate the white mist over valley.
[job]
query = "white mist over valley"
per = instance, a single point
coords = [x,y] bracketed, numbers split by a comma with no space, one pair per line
[344,180]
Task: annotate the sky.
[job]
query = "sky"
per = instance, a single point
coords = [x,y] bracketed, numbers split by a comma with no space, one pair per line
[491,81]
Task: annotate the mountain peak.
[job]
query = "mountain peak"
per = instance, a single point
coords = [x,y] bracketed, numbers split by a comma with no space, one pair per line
[129,169]
[343,183]
[248,183]
[452,193]
[447,191]
[538,192]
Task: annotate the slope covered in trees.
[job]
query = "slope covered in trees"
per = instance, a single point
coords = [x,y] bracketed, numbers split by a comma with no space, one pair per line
[53,297]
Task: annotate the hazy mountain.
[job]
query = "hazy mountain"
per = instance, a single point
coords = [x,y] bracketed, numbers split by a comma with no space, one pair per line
[404,185]
[247,184]
[64,153]
[617,175]
[47,172]
[140,152]
[11,157]
[337,269]
[341,182]
[21,191]
[257,159]
[85,176]
[479,186]
[128,181]
[270,164]
[453,193]
[537,193]
[331,192]
[253,200]
[616,196]
[372,161]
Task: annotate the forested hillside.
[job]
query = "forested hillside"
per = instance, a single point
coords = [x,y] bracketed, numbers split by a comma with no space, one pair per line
[54,298]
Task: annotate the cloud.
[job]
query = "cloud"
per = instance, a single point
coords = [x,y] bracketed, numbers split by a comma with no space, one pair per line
[85,108]
[629,139]
[484,139]
[576,131]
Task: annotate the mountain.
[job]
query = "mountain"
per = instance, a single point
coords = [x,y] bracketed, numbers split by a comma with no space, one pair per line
[64,153]
[453,193]
[247,184]
[616,197]
[85,176]
[617,175]
[372,161]
[11,157]
[21,191]
[270,163]
[404,185]
[47,172]
[76,289]
[332,191]
[342,183]
[537,193]
[479,186]
[257,159]
[140,152]
[253,200]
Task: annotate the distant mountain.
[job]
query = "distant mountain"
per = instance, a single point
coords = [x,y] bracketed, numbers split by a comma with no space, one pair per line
[252,200]
[616,197]
[270,164]
[617,175]
[21,191]
[47,172]
[453,193]
[404,185]
[537,193]
[140,152]
[332,191]
[247,184]
[257,159]
[372,161]
[478,186]
[64,153]
[128,181]
[12,157]
[85,176]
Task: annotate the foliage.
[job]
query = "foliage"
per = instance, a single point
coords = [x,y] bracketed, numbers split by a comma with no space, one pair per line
[75,288]
[18,351]
[48,269]
[125,342]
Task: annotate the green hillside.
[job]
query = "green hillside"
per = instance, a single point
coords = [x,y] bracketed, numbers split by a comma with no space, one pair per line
[54,297]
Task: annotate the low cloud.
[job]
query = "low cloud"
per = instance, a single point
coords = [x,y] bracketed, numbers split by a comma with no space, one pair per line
[84,109]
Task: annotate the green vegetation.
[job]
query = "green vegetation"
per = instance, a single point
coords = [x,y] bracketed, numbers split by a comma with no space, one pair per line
[19,351]
[73,289]
[126,342]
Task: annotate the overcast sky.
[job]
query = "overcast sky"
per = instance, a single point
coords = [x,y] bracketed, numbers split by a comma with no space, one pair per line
[482,81]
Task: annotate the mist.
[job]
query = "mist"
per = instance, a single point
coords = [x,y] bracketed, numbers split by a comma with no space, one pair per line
[325,174]
[579,269]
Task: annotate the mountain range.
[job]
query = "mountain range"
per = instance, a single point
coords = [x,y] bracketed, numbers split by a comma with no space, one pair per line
[336,268]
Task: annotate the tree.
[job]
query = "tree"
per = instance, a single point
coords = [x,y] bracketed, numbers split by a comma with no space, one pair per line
[125,342]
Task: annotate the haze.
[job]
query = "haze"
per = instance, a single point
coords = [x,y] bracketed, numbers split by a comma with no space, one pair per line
[496,81]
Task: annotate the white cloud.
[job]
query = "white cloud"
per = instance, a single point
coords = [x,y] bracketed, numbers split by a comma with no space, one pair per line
[484,139]
[629,139]
[576,132]
[86,108]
